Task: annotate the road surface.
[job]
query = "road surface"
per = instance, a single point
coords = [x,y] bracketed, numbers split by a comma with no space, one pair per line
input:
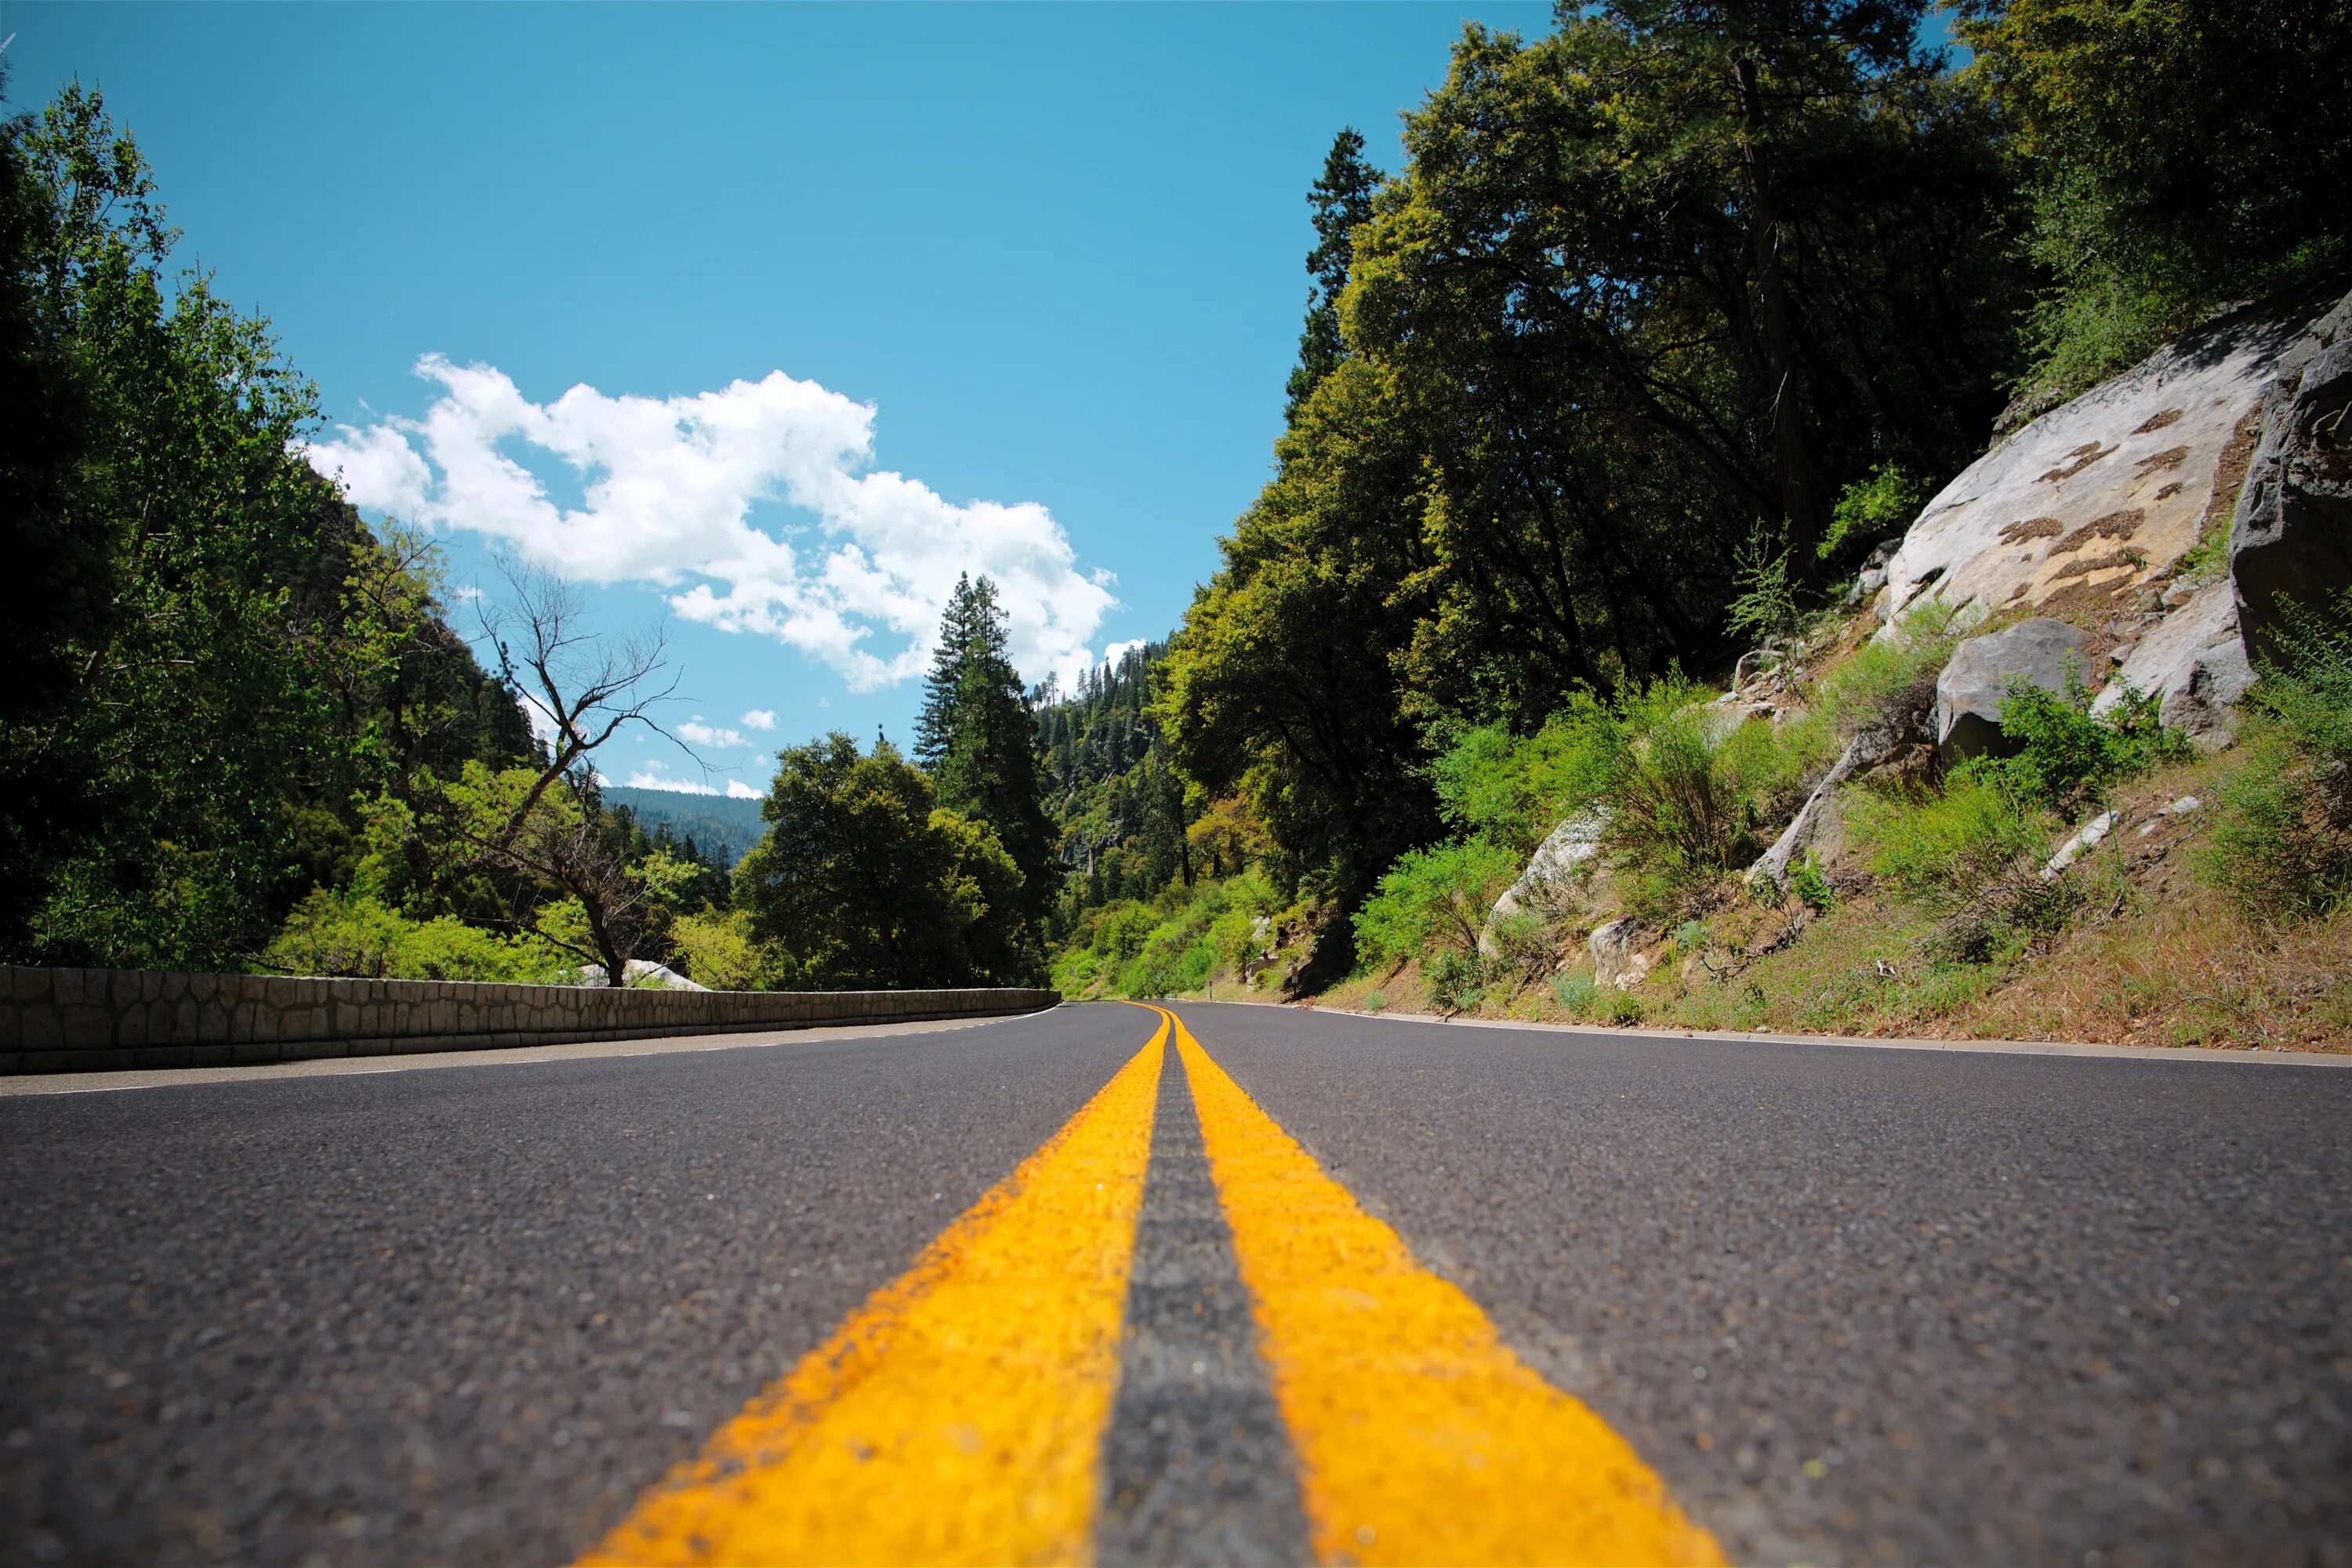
[1264,1286]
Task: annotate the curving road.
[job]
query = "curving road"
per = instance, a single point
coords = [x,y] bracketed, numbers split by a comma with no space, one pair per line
[1247,1285]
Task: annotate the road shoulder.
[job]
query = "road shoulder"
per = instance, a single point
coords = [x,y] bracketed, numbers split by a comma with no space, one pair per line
[2269,1056]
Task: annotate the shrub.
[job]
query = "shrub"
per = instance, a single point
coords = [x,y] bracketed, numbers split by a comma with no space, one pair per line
[1577,993]
[2004,916]
[719,950]
[1942,848]
[1374,1002]
[1434,899]
[1512,789]
[1873,508]
[2281,846]
[348,934]
[1812,888]
[1765,606]
[1523,943]
[1684,798]
[1456,980]
[2274,850]
[1891,684]
[1620,1007]
[2069,758]
[2308,689]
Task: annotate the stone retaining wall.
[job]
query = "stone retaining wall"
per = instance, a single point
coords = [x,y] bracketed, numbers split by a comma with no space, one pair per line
[83,1020]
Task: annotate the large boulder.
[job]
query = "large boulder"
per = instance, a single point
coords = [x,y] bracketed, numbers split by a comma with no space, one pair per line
[2101,496]
[1566,851]
[2195,661]
[1969,692]
[2291,535]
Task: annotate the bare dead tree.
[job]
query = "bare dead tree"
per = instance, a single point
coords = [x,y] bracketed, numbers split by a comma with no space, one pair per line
[581,688]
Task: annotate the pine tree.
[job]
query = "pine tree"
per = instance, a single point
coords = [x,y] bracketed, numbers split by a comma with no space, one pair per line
[978,738]
[1342,200]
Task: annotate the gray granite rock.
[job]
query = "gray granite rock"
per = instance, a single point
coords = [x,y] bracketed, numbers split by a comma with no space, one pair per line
[1969,692]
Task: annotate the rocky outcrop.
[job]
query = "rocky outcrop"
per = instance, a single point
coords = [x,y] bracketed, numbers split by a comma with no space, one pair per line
[2195,661]
[2237,435]
[1557,860]
[2291,532]
[1863,752]
[2098,496]
[1617,956]
[1969,692]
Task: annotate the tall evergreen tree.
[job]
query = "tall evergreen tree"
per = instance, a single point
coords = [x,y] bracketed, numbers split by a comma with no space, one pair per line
[978,738]
[1342,200]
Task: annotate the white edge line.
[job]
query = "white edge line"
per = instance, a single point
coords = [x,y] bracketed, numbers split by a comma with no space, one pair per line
[32,1085]
[2263,1055]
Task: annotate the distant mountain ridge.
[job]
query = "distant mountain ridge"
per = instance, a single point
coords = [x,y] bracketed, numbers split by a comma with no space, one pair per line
[717,823]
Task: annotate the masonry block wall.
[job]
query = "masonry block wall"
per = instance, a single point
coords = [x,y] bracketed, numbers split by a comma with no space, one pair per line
[82,1020]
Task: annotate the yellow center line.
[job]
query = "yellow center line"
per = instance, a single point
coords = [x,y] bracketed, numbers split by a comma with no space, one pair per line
[1421,1438]
[956,1416]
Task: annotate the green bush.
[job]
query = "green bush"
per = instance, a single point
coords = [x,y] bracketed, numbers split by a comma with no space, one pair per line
[1578,994]
[1765,608]
[2069,758]
[1374,1002]
[2281,844]
[1812,888]
[1891,684]
[1619,1007]
[1683,796]
[719,950]
[1942,848]
[350,933]
[1456,980]
[1879,507]
[1433,900]
[1512,789]
[2308,689]
[2277,850]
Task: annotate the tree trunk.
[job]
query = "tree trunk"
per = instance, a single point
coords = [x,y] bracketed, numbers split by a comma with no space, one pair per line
[1800,506]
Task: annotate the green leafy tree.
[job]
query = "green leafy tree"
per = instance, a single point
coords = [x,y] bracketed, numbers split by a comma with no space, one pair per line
[978,738]
[1654,278]
[57,595]
[196,708]
[870,884]
[1284,686]
[2182,154]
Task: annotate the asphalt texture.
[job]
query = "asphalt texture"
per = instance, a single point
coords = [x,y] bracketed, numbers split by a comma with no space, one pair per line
[1868,1306]
[464,1315]
[1197,1468]
[1856,1306]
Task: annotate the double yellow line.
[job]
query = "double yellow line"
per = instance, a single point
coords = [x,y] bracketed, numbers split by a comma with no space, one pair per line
[956,1416]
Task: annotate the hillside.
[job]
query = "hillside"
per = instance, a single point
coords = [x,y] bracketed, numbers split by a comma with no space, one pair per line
[1110,794]
[716,824]
[2069,762]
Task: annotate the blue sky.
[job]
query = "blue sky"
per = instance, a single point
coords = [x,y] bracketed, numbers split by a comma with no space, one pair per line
[1042,263]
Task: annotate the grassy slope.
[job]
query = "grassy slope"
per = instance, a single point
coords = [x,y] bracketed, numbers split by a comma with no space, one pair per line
[2152,956]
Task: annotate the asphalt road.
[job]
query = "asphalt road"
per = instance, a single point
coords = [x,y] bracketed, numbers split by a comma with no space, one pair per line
[1850,1305]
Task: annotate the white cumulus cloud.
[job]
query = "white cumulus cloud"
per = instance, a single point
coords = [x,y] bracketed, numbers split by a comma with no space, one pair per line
[854,573]
[695,732]
[652,777]
[759,719]
[737,790]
